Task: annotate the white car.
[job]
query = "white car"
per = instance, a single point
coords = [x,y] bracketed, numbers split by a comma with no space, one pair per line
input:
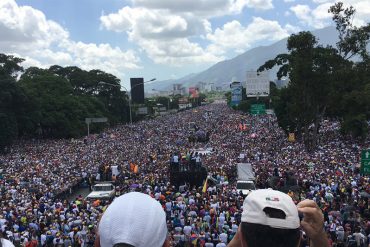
[102,191]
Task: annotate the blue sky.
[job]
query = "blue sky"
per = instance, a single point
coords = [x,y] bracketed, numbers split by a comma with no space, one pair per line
[153,38]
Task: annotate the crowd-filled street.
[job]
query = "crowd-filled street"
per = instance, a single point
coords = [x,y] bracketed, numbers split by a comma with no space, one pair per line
[38,177]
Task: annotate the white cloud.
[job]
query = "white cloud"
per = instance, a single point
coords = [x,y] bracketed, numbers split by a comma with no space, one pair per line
[319,17]
[177,52]
[362,7]
[204,8]
[260,4]
[289,1]
[233,35]
[22,27]
[27,33]
[164,29]
[103,56]
[164,36]
[154,24]
[292,29]
[321,1]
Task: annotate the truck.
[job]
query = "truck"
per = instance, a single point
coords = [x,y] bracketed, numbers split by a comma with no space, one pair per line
[102,191]
[246,179]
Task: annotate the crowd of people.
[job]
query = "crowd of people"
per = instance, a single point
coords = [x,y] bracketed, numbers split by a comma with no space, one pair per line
[37,175]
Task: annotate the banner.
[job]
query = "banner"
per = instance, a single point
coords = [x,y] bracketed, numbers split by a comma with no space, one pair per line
[236,93]
[193,92]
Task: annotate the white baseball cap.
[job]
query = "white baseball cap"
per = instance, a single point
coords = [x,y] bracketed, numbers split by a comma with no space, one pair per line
[133,218]
[256,203]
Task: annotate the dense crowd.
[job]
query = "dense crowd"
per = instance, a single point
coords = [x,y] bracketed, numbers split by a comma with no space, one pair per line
[37,175]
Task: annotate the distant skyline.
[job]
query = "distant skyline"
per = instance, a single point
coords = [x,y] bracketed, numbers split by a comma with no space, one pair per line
[163,39]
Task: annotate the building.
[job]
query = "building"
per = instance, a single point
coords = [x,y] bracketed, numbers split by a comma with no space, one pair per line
[205,87]
[178,89]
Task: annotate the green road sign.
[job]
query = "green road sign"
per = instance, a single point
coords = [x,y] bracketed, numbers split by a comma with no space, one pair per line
[258,109]
[365,161]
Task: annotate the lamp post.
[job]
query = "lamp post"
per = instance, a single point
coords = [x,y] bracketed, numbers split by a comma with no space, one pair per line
[128,92]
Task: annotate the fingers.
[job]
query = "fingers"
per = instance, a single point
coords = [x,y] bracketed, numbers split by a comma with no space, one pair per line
[313,219]
[307,227]
[310,212]
[307,203]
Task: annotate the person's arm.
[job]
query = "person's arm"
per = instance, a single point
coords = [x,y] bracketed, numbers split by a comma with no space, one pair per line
[236,241]
[313,223]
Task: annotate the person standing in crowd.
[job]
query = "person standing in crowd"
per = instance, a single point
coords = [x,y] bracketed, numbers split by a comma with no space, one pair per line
[271,219]
[134,219]
[5,242]
[37,177]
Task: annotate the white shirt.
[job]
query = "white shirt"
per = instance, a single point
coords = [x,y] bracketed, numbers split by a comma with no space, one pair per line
[187,230]
[6,243]
[176,159]
[168,206]
[223,237]
[115,170]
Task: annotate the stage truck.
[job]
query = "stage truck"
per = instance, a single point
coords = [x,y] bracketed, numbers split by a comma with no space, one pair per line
[246,179]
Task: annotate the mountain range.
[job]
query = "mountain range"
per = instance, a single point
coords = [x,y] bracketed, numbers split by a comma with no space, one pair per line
[235,69]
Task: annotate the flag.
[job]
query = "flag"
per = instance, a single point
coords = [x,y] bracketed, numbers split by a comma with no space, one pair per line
[340,172]
[205,186]
[136,169]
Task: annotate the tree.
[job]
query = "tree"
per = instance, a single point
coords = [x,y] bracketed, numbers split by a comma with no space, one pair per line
[324,81]
[13,102]
[352,40]
[89,84]
[57,112]
[10,65]
[8,130]
[302,66]
[351,98]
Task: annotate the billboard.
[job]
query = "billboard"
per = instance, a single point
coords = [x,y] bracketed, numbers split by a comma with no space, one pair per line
[193,92]
[236,93]
[137,90]
[142,111]
[257,84]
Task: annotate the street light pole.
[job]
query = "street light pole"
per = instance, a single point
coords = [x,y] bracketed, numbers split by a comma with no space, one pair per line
[129,106]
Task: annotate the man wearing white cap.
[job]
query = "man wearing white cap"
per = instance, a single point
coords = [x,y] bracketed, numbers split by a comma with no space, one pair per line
[133,220]
[270,219]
